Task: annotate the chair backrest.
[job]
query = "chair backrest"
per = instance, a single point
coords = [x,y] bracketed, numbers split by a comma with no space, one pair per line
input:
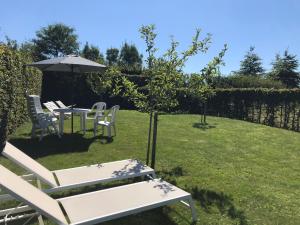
[50,106]
[34,107]
[30,195]
[100,108]
[113,112]
[23,160]
[61,104]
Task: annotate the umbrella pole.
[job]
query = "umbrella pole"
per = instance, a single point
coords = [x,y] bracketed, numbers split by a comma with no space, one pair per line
[72,97]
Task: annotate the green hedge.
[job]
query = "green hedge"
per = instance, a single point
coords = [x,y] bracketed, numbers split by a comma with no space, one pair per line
[13,83]
[273,107]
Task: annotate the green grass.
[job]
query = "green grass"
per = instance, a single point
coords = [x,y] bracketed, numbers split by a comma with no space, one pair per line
[238,172]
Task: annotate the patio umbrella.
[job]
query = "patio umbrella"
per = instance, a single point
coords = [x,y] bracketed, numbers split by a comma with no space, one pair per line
[69,63]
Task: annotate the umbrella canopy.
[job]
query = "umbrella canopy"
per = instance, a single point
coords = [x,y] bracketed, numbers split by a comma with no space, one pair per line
[69,63]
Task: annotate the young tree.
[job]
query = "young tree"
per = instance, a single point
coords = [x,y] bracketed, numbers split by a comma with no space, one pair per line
[92,53]
[112,55]
[284,69]
[130,60]
[56,40]
[251,65]
[165,78]
[200,85]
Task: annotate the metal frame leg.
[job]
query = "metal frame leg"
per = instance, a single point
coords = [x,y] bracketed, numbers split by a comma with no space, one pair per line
[193,209]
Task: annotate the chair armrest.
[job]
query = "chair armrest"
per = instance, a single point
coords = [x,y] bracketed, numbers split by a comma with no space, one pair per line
[98,118]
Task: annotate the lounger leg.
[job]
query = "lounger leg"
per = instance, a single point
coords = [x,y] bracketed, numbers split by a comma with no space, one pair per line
[40,218]
[193,209]
[153,175]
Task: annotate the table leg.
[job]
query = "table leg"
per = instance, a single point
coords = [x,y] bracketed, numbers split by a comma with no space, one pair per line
[61,123]
[81,121]
[84,122]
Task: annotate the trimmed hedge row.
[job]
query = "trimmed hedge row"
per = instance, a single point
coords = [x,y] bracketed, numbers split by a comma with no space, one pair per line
[273,107]
[14,78]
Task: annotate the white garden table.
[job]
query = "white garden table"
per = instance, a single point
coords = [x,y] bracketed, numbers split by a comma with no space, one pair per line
[63,111]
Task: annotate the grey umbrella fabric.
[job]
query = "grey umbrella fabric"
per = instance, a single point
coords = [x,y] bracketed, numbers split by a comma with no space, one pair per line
[69,63]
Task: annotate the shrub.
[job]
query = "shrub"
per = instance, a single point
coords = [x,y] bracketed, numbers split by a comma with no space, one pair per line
[242,81]
[273,107]
[15,79]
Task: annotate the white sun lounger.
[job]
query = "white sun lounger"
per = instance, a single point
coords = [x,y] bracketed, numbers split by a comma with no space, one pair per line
[59,180]
[62,105]
[93,207]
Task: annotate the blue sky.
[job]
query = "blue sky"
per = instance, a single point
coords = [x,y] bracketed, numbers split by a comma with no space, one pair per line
[270,25]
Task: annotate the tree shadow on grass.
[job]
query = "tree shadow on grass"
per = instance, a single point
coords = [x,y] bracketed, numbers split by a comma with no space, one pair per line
[171,175]
[223,202]
[51,144]
[204,126]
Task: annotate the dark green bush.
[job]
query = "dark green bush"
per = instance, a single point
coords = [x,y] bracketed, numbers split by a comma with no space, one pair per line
[244,81]
[14,78]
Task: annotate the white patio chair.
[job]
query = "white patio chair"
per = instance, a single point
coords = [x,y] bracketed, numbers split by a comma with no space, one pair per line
[65,179]
[109,121]
[99,109]
[45,122]
[92,207]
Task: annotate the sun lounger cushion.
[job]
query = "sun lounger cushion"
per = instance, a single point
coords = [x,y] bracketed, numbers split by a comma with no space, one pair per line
[120,201]
[23,160]
[104,172]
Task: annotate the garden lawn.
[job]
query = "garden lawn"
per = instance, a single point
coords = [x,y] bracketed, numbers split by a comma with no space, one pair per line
[237,172]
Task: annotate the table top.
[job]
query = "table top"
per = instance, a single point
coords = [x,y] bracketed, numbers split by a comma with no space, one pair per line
[73,110]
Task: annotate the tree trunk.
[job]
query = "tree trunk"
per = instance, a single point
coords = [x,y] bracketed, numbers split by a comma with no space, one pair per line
[204,113]
[153,159]
[149,139]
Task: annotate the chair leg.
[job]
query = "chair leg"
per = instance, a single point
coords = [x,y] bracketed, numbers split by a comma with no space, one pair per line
[56,130]
[95,129]
[109,131]
[115,132]
[33,131]
[103,130]
[42,134]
